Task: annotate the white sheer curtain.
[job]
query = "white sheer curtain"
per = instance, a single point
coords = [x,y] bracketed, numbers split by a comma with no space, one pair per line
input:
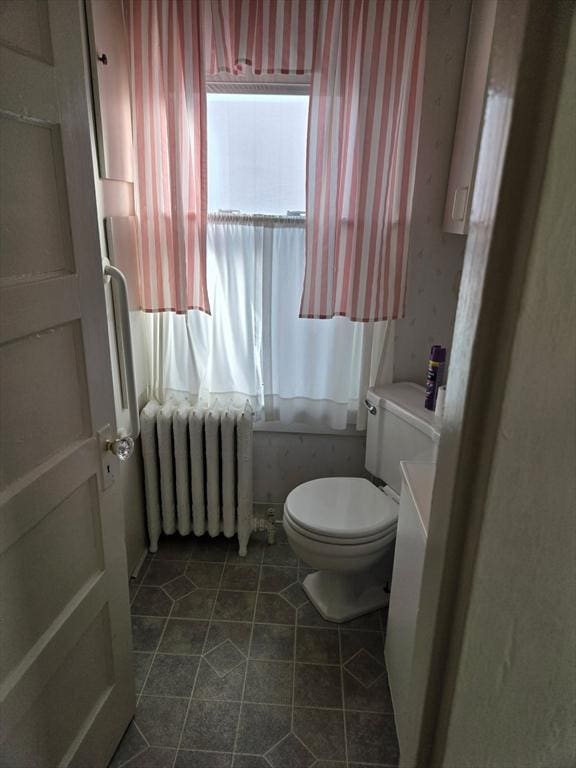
[254,346]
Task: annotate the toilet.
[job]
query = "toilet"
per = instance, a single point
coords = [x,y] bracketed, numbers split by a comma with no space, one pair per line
[345,527]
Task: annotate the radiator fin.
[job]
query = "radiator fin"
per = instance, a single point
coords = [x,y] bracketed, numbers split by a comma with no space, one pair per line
[183,500]
[212,430]
[197,472]
[228,452]
[167,468]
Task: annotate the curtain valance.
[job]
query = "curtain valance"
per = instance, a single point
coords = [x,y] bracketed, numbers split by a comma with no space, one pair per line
[261,37]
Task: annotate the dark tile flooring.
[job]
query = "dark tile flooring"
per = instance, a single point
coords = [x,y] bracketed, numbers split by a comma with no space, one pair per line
[236,669]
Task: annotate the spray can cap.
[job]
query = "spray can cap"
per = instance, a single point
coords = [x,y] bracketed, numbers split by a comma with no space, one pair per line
[438,353]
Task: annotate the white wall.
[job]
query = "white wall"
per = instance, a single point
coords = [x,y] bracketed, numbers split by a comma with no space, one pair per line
[434,258]
[514,702]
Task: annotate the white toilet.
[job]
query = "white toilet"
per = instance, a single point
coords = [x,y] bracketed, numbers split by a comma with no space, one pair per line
[345,527]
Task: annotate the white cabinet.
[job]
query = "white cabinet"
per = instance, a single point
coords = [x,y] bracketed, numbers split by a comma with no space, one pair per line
[411,537]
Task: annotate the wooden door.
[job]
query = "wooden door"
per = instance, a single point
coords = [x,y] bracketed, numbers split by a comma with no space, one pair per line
[66,687]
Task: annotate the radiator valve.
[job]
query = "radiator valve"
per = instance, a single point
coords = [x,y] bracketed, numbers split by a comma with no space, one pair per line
[267,524]
[271,519]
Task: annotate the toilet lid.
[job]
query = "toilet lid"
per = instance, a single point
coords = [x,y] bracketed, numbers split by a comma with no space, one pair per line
[342,507]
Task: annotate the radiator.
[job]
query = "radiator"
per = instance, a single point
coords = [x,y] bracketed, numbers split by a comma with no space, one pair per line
[197,472]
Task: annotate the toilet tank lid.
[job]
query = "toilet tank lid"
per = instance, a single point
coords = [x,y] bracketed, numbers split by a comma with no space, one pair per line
[406,400]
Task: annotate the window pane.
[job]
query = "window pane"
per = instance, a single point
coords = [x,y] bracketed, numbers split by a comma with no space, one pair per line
[257,152]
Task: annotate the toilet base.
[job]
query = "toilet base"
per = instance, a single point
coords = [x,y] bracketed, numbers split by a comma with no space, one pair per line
[342,597]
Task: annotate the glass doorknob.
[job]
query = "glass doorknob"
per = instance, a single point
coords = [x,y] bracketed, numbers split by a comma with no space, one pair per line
[123,447]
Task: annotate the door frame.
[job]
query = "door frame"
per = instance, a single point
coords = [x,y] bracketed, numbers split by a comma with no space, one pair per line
[525,75]
[74,294]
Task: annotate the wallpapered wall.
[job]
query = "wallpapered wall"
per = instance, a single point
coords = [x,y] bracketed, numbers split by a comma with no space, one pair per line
[284,460]
[435,258]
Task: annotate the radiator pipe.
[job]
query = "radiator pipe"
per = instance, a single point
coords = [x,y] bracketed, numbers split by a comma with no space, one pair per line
[267,524]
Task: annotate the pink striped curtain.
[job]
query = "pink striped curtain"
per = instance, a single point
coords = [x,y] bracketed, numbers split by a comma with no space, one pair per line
[169,125]
[362,144]
[260,36]
[366,58]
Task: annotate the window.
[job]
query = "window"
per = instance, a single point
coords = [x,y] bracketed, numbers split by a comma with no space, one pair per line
[255,346]
[257,152]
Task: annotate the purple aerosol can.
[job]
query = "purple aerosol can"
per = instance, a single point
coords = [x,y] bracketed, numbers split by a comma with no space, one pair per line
[435,376]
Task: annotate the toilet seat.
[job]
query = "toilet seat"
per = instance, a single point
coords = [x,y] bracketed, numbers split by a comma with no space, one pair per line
[341,511]
[339,541]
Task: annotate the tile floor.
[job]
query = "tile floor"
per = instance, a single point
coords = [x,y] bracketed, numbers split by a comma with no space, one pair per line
[236,669]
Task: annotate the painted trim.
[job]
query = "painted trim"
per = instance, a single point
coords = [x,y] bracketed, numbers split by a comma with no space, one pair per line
[523,85]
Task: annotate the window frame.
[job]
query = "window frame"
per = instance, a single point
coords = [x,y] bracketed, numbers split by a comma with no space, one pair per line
[266,85]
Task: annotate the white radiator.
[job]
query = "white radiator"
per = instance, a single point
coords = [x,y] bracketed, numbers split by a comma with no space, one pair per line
[197,471]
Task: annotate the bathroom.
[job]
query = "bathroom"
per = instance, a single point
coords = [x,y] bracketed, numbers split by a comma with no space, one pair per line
[182,468]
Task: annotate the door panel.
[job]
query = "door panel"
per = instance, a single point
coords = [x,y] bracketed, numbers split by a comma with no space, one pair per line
[41,588]
[33,200]
[44,405]
[35,84]
[56,717]
[66,687]
[25,26]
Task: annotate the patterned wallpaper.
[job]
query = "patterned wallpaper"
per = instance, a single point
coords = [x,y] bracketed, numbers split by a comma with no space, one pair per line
[283,460]
[435,258]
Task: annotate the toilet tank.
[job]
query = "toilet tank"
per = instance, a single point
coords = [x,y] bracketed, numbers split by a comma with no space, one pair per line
[399,429]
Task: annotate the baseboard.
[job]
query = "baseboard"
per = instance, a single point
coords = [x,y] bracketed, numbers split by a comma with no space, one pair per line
[139,564]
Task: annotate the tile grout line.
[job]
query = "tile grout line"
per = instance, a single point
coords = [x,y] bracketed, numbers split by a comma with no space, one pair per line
[236,735]
[283,706]
[133,721]
[144,574]
[343,698]
[223,564]
[352,675]
[280,740]
[155,653]
[235,621]
[166,618]
[294,655]
[259,658]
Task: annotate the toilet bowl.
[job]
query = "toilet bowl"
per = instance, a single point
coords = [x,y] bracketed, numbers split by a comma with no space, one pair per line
[345,527]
